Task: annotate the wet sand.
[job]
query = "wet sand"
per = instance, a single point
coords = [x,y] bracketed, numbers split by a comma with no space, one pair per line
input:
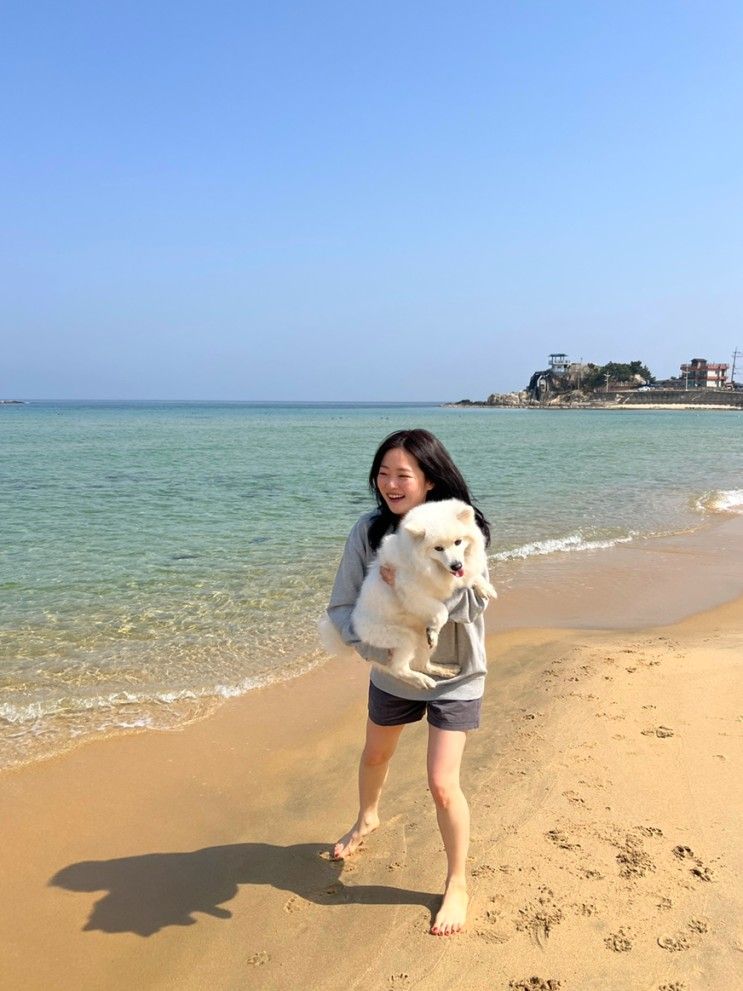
[605,789]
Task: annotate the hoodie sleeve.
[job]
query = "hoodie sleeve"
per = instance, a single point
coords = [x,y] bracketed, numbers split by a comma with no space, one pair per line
[351,572]
[466,605]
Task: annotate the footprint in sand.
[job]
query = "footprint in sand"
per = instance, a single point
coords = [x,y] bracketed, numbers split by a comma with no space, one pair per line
[632,858]
[676,986]
[494,930]
[561,840]
[585,908]
[675,943]
[540,916]
[594,782]
[492,935]
[397,982]
[295,904]
[703,872]
[258,959]
[649,830]
[535,984]
[659,731]
[483,870]
[699,870]
[618,942]
[590,874]
[573,797]
[683,852]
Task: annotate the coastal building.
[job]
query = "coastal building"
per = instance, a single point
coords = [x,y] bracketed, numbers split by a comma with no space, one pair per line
[702,374]
[559,363]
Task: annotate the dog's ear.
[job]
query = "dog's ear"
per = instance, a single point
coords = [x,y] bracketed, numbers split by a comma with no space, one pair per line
[414,529]
[466,515]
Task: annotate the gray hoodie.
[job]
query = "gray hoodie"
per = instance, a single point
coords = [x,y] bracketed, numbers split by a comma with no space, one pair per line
[461,641]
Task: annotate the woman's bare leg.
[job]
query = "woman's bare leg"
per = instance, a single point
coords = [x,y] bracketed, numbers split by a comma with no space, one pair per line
[445,749]
[380,745]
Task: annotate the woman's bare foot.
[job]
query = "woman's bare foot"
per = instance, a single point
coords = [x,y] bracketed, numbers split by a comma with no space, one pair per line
[452,915]
[353,839]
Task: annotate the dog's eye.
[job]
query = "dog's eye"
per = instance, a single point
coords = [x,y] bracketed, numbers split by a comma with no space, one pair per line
[438,548]
[457,543]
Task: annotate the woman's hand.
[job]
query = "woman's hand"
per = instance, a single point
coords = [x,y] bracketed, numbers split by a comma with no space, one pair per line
[387,574]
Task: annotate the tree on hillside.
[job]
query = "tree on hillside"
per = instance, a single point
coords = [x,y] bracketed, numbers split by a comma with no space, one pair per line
[595,377]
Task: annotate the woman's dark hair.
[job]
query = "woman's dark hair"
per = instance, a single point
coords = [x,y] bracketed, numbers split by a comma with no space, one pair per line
[436,464]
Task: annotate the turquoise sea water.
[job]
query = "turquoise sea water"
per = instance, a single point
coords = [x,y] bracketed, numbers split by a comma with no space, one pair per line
[156,557]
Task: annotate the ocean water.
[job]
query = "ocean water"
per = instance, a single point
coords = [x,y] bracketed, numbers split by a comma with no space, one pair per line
[158,557]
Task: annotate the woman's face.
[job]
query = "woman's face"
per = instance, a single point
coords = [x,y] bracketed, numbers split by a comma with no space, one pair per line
[401,482]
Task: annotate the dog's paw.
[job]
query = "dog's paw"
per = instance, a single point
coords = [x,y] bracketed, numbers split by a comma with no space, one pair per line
[444,670]
[432,637]
[485,590]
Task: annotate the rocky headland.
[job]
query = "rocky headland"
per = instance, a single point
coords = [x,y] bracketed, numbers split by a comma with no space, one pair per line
[632,398]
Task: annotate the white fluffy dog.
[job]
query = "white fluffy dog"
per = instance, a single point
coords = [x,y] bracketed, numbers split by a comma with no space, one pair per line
[437,549]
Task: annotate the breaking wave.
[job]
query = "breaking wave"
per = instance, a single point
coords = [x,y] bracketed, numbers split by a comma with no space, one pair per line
[721,501]
[31,712]
[574,542]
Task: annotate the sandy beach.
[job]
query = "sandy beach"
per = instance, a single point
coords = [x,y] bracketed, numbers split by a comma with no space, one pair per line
[605,789]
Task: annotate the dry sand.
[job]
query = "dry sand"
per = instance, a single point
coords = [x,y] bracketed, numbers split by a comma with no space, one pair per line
[606,798]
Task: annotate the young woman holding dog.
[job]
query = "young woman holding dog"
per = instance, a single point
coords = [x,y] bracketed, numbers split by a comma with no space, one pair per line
[411,467]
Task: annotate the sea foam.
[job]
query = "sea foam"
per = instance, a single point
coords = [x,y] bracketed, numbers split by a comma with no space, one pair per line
[573,542]
[721,501]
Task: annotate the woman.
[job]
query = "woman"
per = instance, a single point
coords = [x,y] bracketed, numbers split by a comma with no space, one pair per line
[412,467]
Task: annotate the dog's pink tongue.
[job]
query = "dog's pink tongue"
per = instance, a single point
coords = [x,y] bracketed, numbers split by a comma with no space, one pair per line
[459,573]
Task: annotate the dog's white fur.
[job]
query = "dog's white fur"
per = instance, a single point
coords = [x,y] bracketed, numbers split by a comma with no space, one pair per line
[437,549]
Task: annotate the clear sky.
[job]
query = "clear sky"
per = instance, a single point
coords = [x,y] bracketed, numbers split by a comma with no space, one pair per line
[413,201]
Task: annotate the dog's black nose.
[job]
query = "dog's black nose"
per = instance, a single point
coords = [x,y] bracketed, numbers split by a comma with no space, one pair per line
[456,566]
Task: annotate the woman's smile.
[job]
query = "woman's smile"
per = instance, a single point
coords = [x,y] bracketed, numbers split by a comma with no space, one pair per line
[401,482]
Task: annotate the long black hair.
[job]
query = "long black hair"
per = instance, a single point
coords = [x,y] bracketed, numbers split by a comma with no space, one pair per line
[436,464]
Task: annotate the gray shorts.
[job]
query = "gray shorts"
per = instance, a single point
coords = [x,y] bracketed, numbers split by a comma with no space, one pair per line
[454,714]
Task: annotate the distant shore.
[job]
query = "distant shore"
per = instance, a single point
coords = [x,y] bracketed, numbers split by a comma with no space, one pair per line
[647,400]
[606,406]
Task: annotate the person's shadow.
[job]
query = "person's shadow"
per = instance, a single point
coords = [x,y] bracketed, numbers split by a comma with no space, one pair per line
[148,892]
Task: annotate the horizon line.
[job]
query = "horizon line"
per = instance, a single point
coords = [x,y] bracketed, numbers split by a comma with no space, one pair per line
[306,402]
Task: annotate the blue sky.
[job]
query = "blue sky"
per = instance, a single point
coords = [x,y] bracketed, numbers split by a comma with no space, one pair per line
[414,201]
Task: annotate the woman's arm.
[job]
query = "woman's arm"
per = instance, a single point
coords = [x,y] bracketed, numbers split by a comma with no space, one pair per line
[351,573]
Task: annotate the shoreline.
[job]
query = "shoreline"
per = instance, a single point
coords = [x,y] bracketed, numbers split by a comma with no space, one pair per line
[197,857]
[598,589]
[594,406]
[687,571]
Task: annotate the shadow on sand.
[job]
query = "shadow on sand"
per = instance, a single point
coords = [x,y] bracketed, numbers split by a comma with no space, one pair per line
[149,892]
